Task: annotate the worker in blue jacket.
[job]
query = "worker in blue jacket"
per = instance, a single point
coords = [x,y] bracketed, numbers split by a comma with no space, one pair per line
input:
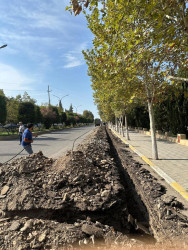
[27,138]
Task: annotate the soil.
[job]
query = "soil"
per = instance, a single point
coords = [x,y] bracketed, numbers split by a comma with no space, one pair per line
[99,196]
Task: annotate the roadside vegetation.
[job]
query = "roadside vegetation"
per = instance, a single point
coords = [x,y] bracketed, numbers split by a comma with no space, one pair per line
[14,131]
[138,62]
[45,117]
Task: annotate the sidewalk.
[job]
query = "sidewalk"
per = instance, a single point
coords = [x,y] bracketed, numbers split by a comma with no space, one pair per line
[173,159]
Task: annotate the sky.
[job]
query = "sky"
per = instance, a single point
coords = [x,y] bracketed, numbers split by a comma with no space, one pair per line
[45,45]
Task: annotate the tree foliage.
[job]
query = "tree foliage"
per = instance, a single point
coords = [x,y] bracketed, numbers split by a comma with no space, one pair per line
[71,108]
[57,118]
[26,112]
[88,115]
[12,109]
[13,106]
[137,45]
[48,115]
[70,118]
[38,115]
[63,117]
[27,98]
[3,107]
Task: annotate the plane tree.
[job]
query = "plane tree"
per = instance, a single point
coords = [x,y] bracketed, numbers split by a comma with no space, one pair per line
[111,92]
[122,46]
[3,107]
[147,37]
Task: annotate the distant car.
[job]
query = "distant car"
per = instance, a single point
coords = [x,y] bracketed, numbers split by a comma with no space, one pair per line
[10,126]
[97,122]
[37,125]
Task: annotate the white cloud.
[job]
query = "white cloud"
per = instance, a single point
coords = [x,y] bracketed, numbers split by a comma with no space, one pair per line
[12,79]
[74,57]
[41,30]
[42,38]
[72,61]
[49,15]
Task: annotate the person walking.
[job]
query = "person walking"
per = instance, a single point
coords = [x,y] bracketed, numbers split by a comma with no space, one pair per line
[27,138]
[21,130]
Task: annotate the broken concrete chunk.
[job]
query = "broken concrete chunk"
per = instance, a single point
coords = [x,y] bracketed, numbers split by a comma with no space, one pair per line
[4,190]
[92,230]
[27,225]
[105,193]
[2,196]
[42,237]
[15,226]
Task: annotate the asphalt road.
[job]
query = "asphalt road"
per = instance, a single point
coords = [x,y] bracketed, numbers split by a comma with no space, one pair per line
[52,145]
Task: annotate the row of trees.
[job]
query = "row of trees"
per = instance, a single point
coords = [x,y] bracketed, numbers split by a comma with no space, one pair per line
[170,115]
[24,108]
[138,55]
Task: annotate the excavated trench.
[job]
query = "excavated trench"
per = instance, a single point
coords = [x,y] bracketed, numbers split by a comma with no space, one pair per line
[138,215]
[153,209]
[96,197]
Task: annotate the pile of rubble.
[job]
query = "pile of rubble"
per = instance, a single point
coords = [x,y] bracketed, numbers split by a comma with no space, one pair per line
[47,204]
[76,201]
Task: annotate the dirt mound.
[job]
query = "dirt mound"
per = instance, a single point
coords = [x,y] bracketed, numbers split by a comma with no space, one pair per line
[84,199]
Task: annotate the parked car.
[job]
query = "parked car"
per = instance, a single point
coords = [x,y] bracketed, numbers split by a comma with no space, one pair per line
[11,127]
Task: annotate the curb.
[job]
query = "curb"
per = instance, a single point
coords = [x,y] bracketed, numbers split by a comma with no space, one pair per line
[9,137]
[167,178]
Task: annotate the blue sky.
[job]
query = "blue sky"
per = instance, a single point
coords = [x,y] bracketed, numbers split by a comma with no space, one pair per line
[44,48]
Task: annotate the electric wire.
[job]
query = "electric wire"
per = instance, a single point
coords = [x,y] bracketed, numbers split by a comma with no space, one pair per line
[16,154]
[13,156]
[78,138]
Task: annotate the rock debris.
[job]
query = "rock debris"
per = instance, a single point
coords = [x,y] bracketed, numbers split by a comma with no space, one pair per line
[80,200]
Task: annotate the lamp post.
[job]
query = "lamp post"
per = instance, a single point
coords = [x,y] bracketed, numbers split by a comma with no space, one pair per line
[3,46]
[60,104]
[77,107]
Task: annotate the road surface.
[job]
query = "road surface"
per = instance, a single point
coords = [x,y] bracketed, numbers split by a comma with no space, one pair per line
[52,145]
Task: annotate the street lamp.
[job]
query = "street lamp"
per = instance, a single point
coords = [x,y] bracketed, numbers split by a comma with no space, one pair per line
[77,107]
[3,46]
[60,104]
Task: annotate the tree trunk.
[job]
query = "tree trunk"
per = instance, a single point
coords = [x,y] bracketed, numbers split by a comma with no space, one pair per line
[148,88]
[116,124]
[121,118]
[126,127]
[119,127]
[152,128]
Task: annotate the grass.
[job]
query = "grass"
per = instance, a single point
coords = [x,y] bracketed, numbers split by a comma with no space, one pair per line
[5,133]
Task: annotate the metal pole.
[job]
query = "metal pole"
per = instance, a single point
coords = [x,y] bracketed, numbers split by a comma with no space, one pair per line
[48,95]
[77,107]
[60,98]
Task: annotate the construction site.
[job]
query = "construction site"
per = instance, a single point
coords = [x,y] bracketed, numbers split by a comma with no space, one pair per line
[98,196]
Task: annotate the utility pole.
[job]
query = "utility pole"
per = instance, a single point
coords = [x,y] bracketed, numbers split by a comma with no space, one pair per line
[48,95]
